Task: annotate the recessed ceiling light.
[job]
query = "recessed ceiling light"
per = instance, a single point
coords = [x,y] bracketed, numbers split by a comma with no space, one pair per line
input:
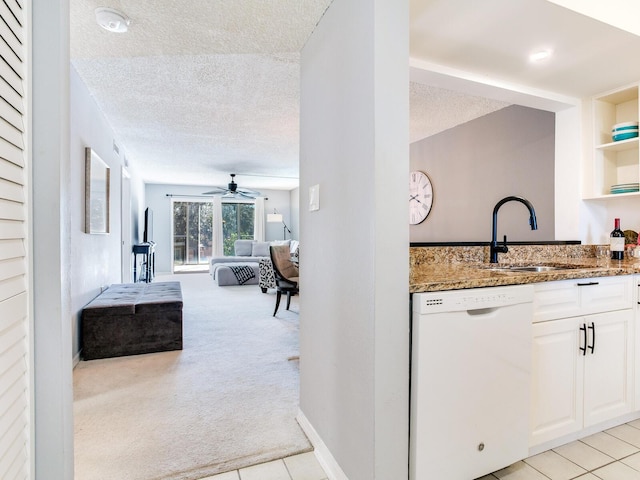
[540,55]
[112,20]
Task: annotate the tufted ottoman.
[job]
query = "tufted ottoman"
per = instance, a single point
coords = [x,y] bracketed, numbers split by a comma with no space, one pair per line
[133,318]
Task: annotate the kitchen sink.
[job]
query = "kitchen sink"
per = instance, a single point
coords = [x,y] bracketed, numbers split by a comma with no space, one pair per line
[536,268]
[531,268]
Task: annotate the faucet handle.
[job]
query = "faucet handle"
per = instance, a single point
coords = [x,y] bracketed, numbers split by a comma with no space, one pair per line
[504,248]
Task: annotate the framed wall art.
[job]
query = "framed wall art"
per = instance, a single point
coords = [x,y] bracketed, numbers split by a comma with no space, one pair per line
[96,197]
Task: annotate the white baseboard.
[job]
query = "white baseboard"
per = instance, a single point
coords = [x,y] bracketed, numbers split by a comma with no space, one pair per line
[322,453]
[76,360]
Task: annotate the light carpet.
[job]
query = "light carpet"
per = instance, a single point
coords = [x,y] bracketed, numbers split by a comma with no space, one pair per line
[226,401]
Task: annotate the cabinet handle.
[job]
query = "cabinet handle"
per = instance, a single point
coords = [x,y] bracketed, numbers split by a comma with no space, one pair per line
[588,283]
[592,327]
[583,329]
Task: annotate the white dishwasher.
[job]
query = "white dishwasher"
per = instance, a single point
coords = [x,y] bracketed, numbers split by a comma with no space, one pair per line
[470,381]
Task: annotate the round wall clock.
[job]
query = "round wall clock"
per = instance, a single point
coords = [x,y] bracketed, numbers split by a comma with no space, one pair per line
[420,197]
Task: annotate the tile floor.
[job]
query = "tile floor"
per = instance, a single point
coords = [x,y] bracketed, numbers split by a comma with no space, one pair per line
[298,467]
[610,455]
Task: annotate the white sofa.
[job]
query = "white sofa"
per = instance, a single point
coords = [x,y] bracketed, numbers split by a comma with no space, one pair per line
[245,251]
[251,254]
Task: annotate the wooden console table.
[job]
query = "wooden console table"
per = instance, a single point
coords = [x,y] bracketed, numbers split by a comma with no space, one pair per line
[148,266]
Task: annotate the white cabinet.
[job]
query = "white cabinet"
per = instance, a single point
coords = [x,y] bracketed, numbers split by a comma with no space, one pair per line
[608,369]
[613,162]
[582,371]
[556,379]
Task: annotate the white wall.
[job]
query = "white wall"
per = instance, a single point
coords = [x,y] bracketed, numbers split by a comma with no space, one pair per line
[96,259]
[156,198]
[51,259]
[354,304]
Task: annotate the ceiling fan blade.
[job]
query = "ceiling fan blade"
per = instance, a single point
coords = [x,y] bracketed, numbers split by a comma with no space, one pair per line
[247,191]
[216,191]
[233,191]
[244,194]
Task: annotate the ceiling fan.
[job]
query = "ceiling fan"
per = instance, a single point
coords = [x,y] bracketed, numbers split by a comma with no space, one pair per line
[232,190]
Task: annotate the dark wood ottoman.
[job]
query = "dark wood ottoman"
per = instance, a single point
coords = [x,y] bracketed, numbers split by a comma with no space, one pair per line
[133,318]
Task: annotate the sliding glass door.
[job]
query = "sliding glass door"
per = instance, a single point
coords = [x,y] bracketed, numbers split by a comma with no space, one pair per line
[193,229]
[192,233]
[237,223]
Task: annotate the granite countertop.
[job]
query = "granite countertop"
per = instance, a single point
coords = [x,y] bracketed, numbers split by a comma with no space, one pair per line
[453,268]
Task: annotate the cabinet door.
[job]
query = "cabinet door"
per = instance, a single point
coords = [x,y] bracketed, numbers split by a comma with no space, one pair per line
[608,387]
[557,380]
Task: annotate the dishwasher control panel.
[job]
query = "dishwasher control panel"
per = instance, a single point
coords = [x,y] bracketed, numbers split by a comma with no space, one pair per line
[471,299]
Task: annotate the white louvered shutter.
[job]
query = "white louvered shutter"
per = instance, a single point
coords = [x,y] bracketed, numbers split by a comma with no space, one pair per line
[15,363]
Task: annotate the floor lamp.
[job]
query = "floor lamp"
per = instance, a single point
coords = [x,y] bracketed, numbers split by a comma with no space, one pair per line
[276,217]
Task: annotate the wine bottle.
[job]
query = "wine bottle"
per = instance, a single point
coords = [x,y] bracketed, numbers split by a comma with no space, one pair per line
[616,242]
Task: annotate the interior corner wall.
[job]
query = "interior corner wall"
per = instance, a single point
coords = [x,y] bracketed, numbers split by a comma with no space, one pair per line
[354,308]
[474,165]
[157,200]
[96,259]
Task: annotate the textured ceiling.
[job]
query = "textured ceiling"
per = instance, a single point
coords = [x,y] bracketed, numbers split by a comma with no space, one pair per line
[433,110]
[198,90]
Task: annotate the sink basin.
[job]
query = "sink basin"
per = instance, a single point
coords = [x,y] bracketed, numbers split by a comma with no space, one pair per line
[531,268]
[536,268]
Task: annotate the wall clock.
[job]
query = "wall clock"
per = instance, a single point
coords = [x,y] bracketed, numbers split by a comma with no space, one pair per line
[420,197]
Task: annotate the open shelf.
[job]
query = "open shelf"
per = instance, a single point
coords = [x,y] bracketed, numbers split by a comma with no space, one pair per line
[614,162]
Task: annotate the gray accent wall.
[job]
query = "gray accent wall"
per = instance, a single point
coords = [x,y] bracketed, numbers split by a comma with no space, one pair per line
[474,165]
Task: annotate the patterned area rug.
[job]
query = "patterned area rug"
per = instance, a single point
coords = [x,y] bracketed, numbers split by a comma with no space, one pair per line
[227,401]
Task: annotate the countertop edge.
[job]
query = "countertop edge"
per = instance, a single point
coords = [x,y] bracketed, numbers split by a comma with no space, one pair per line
[463,276]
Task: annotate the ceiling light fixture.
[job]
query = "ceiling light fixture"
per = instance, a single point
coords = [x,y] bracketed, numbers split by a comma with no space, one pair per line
[112,20]
[540,55]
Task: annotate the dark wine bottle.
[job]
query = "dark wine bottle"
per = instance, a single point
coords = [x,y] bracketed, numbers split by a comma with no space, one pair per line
[616,242]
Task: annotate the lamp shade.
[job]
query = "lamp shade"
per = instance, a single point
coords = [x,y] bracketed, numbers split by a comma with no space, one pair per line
[274,217]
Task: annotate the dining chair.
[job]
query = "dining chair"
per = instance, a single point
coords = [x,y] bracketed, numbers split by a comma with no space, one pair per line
[285,272]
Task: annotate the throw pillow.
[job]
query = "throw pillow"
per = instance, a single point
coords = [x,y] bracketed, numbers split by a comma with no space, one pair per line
[243,248]
[260,249]
[281,242]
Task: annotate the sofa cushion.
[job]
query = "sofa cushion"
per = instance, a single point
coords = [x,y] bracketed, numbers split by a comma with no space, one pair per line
[243,248]
[260,249]
[281,242]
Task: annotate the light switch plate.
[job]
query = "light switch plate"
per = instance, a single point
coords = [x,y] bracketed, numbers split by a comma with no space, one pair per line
[314,198]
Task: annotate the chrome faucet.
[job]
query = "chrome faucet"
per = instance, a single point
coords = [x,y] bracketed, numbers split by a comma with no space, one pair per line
[495,249]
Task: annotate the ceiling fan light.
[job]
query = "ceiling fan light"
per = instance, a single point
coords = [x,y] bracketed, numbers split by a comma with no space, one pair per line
[112,20]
